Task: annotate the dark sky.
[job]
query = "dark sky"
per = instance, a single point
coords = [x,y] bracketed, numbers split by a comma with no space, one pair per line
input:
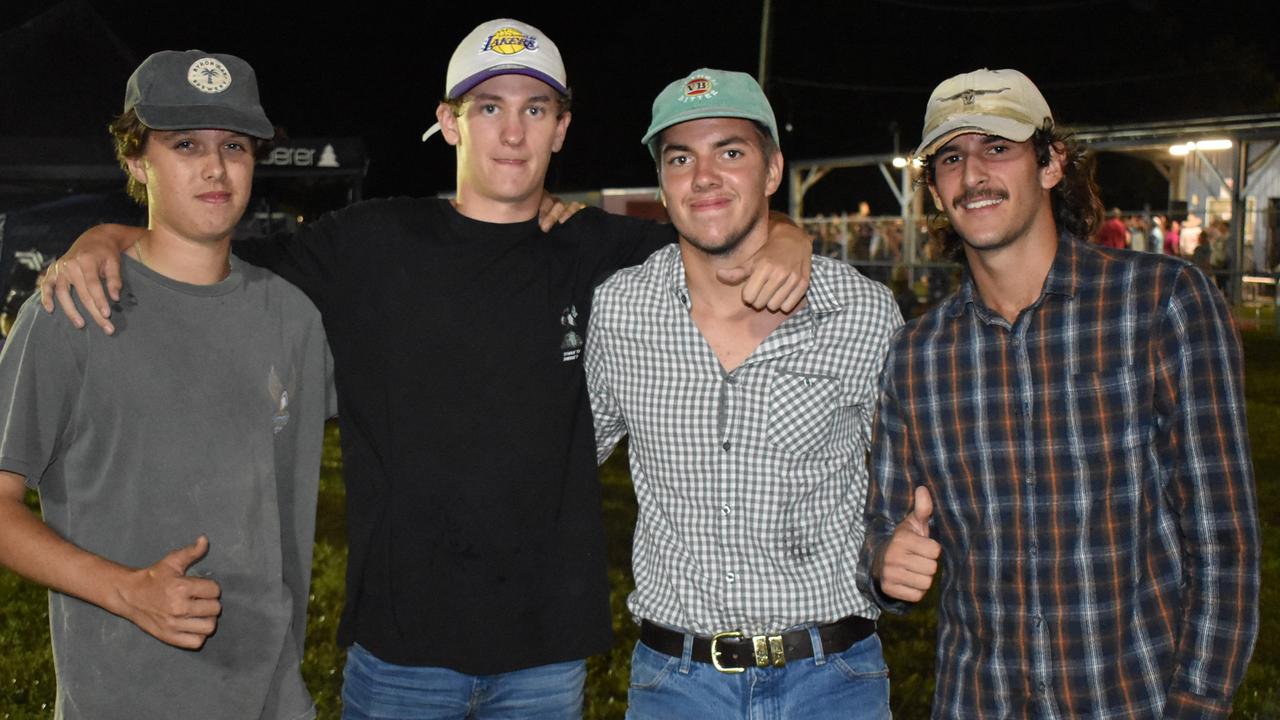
[843,74]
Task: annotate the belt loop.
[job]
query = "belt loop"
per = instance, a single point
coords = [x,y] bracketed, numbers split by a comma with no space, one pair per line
[686,655]
[819,657]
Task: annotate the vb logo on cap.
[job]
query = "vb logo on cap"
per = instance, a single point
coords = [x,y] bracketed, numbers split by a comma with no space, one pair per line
[698,87]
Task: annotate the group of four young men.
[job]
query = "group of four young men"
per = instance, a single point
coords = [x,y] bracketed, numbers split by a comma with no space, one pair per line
[1069,426]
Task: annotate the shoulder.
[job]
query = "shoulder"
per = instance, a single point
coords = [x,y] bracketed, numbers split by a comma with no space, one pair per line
[839,282]
[593,225]
[278,296]
[643,281]
[380,214]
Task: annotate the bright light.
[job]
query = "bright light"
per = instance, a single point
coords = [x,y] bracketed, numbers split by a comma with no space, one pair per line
[899,162]
[1186,148]
[917,162]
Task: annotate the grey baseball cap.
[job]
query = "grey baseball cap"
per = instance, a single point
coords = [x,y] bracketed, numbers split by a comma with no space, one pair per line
[173,90]
[992,102]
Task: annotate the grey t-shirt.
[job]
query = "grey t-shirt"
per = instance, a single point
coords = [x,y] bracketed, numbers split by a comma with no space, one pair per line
[204,414]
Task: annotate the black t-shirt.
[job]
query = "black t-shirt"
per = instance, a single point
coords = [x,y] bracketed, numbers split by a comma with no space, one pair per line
[473,508]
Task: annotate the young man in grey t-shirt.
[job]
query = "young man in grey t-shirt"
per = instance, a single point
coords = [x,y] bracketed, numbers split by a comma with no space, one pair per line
[177,461]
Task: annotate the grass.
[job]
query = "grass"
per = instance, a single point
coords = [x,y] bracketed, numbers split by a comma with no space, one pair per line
[26,666]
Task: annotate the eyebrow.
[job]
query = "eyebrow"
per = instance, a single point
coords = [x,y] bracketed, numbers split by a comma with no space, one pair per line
[490,97]
[731,140]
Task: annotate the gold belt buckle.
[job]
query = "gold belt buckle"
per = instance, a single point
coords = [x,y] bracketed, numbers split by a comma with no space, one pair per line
[715,652]
[768,651]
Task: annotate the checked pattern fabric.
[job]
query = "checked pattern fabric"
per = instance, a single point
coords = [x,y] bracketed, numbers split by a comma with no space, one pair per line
[750,483]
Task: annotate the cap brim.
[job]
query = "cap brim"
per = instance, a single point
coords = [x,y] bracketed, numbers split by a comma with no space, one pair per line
[191,117]
[702,113]
[1008,128]
[465,86]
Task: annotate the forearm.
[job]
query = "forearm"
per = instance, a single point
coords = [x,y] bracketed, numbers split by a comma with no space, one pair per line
[31,549]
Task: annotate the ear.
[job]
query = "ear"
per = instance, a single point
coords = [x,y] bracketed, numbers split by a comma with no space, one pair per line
[937,199]
[1051,174]
[137,168]
[773,174]
[448,124]
[562,129]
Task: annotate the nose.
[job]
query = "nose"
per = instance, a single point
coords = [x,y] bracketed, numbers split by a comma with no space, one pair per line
[705,174]
[512,129]
[215,166]
[975,170]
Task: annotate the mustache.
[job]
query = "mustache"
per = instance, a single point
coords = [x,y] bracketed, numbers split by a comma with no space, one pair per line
[976,195]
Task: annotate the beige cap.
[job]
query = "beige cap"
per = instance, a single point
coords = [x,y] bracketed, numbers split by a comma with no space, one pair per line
[991,102]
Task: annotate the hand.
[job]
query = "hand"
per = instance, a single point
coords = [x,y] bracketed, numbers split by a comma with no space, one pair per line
[776,277]
[908,563]
[170,605]
[553,210]
[93,258]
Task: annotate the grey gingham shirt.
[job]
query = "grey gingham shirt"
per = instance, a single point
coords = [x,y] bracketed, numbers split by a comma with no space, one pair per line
[750,484]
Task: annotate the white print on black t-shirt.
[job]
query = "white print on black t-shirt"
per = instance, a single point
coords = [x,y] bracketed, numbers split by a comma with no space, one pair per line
[571,344]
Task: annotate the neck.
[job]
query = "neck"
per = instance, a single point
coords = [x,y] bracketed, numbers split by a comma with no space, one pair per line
[473,205]
[700,269]
[194,263]
[1011,278]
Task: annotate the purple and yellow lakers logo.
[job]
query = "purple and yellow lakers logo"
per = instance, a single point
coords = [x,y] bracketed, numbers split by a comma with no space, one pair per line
[698,87]
[509,41]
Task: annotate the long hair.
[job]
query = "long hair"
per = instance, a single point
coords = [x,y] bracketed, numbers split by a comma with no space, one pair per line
[1077,209]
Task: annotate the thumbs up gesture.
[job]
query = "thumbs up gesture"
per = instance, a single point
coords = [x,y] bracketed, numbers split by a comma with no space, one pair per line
[170,605]
[907,564]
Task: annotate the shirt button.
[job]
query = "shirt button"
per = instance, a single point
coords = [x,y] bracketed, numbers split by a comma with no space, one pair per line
[1036,620]
[731,380]
[1031,478]
[725,509]
[725,445]
[730,577]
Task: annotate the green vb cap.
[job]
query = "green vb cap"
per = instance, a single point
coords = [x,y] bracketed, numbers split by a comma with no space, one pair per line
[707,93]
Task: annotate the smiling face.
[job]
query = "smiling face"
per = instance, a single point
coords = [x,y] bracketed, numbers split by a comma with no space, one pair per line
[198,182]
[994,191]
[716,177]
[506,131]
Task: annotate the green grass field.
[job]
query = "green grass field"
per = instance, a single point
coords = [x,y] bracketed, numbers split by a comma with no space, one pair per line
[26,671]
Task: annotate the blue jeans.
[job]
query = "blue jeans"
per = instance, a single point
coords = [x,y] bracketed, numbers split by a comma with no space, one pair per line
[373,689]
[853,684]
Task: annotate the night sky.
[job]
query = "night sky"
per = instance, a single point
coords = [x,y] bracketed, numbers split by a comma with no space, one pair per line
[843,75]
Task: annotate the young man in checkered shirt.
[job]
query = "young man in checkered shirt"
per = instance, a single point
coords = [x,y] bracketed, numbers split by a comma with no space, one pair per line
[749,431]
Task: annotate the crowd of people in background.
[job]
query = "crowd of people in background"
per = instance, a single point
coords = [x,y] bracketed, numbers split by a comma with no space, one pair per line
[875,244]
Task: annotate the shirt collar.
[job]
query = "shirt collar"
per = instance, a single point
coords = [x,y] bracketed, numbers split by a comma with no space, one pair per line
[821,301]
[1070,260]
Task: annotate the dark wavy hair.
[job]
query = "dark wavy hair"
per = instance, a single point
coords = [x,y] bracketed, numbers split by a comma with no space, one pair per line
[1077,209]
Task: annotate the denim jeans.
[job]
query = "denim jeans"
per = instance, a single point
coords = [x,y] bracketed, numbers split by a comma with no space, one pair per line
[373,689]
[852,684]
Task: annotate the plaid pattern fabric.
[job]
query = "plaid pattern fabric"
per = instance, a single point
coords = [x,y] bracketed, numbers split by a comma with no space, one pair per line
[750,484]
[1092,488]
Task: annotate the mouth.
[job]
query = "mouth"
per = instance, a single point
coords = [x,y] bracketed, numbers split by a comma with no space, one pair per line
[216,198]
[710,204]
[510,162]
[978,202]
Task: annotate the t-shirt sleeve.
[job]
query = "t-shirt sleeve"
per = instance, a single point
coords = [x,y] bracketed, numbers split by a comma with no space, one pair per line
[312,259]
[40,376]
[616,241]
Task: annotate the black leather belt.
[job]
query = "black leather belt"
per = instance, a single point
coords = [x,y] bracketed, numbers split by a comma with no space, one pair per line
[733,652]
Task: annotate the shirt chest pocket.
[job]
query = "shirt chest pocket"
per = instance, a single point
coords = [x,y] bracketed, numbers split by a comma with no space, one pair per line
[802,410]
